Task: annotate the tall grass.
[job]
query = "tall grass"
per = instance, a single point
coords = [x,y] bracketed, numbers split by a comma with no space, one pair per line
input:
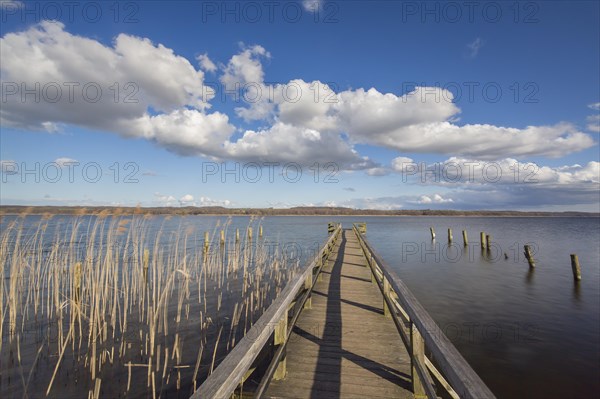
[118,305]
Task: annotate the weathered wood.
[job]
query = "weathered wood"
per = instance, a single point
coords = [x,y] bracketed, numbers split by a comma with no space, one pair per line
[307,286]
[260,231]
[465,238]
[386,294]
[465,382]
[418,355]
[280,337]
[575,267]
[482,239]
[449,236]
[230,373]
[488,242]
[343,346]
[432,231]
[529,256]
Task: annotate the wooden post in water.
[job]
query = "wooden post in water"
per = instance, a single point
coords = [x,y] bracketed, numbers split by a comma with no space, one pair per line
[222,237]
[250,233]
[237,235]
[465,239]
[488,242]
[432,233]
[260,232]
[576,268]
[449,236]
[529,257]
[482,239]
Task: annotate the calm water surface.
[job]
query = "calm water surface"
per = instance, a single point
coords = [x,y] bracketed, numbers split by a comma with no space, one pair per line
[527,333]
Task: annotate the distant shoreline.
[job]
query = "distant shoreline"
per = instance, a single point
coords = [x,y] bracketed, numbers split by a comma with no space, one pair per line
[296,211]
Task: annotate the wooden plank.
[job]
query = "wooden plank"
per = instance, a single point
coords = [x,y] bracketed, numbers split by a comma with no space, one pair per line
[452,365]
[228,375]
[344,346]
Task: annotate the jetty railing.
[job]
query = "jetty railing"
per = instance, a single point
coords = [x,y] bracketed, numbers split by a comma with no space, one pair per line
[266,340]
[435,362]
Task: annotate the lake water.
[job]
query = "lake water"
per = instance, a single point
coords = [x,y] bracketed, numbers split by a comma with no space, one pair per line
[527,333]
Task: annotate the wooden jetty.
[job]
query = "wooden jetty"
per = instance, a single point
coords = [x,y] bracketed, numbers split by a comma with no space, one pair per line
[345,327]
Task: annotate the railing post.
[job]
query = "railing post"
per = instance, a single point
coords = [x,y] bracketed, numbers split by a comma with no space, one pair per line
[417,348]
[279,339]
[308,285]
[386,294]
[373,279]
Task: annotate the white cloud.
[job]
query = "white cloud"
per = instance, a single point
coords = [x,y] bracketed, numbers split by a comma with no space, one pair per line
[206,63]
[165,200]
[244,68]
[187,200]
[312,5]
[186,131]
[62,64]
[64,161]
[9,167]
[321,126]
[288,143]
[207,201]
[594,120]
[475,46]
[434,199]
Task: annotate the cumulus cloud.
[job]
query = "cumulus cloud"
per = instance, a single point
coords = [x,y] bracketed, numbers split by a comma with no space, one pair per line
[505,183]
[433,199]
[164,199]
[245,68]
[80,81]
[186,200]
[594,120]
[289,143]
[206,63]
[305,122]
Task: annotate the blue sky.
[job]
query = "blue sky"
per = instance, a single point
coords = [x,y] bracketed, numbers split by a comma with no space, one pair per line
[375,93]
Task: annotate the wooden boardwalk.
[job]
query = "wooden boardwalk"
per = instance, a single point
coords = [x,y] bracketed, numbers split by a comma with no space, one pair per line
[343,345]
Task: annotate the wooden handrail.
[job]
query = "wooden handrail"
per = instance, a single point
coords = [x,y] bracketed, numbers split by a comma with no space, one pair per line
[225,379]
[462,381]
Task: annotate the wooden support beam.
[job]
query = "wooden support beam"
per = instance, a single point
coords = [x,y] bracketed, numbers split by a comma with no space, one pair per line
[386,292]
[280,336]
[417,348]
